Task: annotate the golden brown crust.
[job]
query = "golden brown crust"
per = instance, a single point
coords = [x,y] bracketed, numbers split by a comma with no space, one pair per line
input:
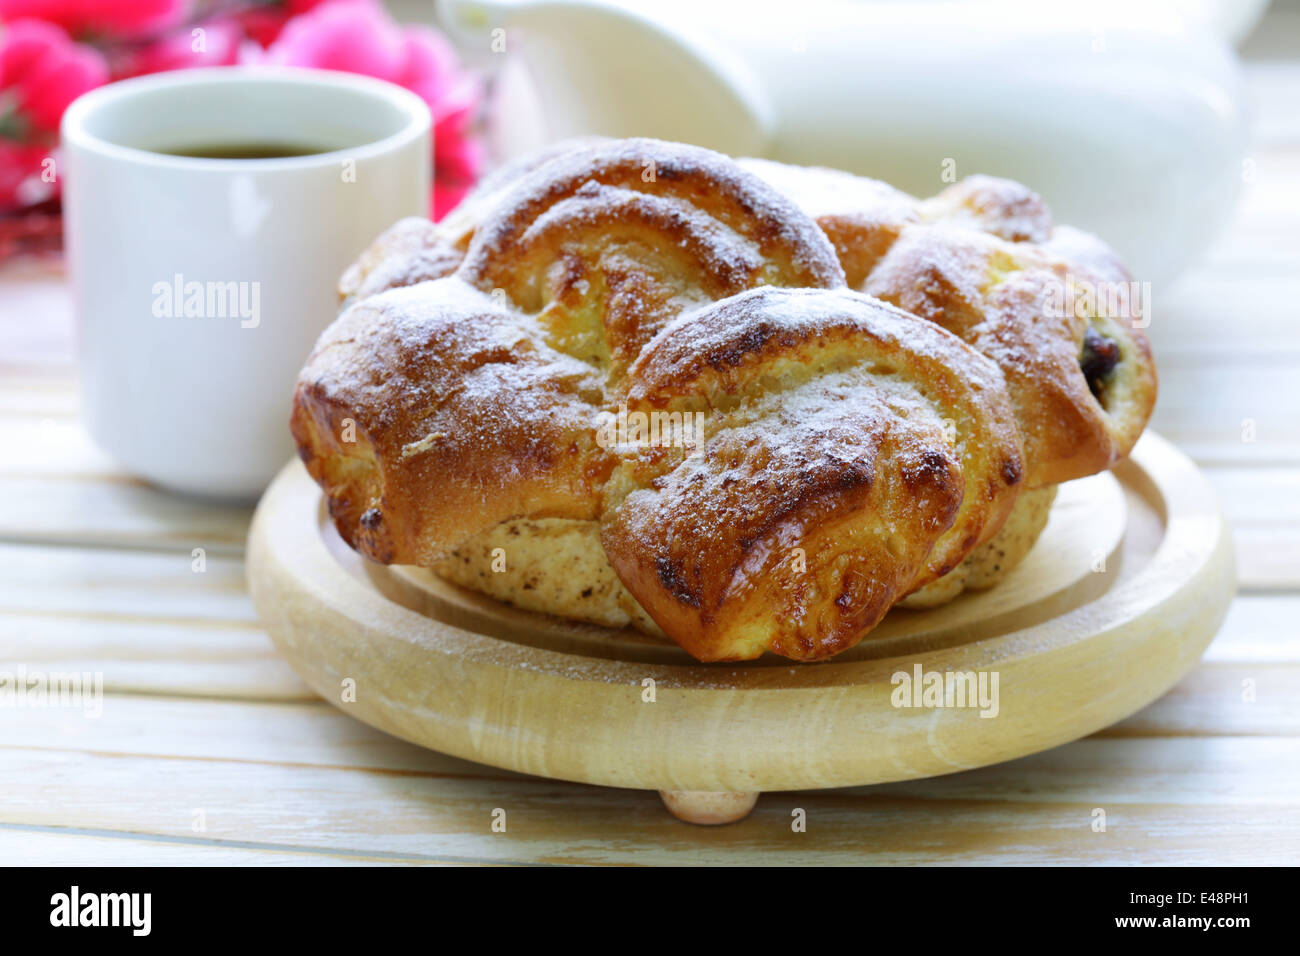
[458,227]
[610,243]
[1017,305]
[851,455]
[428,414]
[411,251]
[861,217]
[983,260]
[614,275]
[492,398]
[416,250]
[558,566]
[973,259]
[991,561]
[1000,207]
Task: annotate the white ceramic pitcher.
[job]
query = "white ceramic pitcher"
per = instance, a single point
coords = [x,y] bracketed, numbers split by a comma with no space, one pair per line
[1128,118]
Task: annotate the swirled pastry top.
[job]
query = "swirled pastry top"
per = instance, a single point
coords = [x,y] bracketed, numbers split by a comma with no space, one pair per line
[848,451]
[1052,306]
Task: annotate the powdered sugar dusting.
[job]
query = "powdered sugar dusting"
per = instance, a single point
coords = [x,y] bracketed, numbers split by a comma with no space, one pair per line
[651,274]
[710,181]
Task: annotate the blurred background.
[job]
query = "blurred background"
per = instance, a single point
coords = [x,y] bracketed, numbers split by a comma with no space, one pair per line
[1131,119]
[1167,127]
[1170,128]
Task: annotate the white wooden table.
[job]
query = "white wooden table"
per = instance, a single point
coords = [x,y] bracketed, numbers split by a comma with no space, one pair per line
[210,750]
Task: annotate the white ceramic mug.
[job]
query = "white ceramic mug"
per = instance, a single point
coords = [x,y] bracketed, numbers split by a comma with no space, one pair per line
[200,284]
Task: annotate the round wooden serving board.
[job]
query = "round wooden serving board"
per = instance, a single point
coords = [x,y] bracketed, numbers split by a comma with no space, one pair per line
[1115,603]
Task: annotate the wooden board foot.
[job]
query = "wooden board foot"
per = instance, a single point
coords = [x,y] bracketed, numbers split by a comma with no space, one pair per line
[708,807]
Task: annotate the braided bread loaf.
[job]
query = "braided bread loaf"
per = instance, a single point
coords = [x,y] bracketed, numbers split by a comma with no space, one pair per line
[982,259]
[847,452]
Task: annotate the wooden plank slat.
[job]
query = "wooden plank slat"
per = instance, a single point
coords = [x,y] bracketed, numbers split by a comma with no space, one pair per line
[114,583]
[139,655]
[36,327]
[83,512]
[1231,413]
[55,447]
[143,619]
[1260,629]
[309,733]
[57,487]
[1218,700]
[22,846]
[1263,505]
[1220,317]
[1179,800]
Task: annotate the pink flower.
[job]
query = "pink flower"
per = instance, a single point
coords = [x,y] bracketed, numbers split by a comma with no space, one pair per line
[213,43]
[263,24]
[41,71]
[27,175]
[94,18]
[354,36]
[357,36]
[458,159]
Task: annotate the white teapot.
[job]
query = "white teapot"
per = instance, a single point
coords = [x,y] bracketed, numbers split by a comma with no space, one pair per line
[1128,118]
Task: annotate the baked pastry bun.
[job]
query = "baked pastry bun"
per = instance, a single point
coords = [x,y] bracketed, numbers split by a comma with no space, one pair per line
[414,250]
[851,452]
[1052,306]
[606,245]
[1081,378]
[558,566]
[501,370]
[430,412]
